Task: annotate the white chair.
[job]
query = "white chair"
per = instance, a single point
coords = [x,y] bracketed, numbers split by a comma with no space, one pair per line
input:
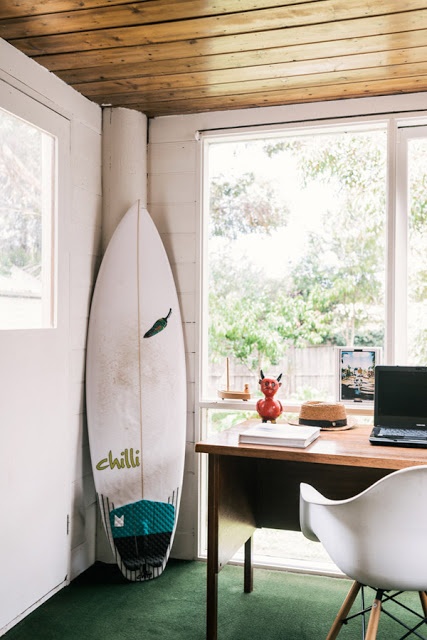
[378,538]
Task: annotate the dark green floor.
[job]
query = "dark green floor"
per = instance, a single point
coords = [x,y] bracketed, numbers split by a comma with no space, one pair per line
[99,605]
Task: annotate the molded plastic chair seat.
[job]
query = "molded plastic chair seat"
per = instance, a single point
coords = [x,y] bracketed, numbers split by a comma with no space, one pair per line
[378,538]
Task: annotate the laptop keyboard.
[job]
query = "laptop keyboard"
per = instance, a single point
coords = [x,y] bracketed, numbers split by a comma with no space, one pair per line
[403,433]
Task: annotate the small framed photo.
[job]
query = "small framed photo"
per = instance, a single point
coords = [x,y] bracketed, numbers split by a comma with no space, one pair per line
[356,374]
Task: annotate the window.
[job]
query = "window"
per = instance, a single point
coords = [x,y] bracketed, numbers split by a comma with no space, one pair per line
[27,208]
[311,242]
[295,256]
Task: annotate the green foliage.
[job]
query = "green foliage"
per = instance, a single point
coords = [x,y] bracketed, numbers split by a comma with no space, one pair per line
[244,205]
[333,293]
[342,271]
[419,204]
[419,347]
[222,420]
[257,320]
[20,195]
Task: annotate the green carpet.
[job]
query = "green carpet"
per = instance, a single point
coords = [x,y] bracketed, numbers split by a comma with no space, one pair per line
[100,605]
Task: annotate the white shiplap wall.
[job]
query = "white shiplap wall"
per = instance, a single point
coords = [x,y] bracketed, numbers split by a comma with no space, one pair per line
[172,203]
[85,258]
[80,216]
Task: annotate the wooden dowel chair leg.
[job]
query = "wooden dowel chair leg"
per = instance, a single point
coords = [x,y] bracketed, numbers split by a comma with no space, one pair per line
[374,618]
[423,598]
[343,612]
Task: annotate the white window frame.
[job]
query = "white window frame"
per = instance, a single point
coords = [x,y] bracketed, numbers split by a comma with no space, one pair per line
[404,135]
[25,107]
[206,138]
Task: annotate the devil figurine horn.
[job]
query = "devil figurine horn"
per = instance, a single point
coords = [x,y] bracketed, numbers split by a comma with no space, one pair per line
[279,378]
[262,375]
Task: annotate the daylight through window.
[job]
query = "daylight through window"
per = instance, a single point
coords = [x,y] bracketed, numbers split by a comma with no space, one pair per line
[296,257]
[417,257]
[26,224]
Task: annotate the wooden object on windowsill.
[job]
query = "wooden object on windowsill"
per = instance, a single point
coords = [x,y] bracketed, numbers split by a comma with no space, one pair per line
[228,394]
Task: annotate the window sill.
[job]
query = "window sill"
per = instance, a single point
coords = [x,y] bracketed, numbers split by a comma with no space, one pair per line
[288,407]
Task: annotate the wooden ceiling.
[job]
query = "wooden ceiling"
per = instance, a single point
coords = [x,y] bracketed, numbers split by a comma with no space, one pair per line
[185,56]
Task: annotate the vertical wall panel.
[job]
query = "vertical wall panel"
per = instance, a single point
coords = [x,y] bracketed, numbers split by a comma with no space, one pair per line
[172,202]
[85,257]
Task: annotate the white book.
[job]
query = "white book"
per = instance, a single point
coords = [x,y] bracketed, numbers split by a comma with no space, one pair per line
[279,435]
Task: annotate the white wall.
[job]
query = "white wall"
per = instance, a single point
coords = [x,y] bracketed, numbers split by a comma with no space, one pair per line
[80,226]
[174,201]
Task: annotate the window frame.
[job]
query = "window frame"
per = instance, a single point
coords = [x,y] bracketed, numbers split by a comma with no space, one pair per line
[21,105]
[404,134]
[231,135]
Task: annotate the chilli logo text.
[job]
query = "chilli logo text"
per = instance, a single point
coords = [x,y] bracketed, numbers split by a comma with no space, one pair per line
[128,460]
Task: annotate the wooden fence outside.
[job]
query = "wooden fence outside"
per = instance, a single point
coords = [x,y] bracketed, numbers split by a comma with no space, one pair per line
[305,373]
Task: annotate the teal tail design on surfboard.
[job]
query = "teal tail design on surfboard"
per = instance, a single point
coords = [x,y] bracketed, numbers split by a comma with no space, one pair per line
[142,532]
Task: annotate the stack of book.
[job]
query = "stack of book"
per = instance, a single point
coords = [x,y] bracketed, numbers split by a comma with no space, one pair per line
[279,435]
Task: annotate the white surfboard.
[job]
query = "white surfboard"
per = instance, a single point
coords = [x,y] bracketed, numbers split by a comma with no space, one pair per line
[136,397]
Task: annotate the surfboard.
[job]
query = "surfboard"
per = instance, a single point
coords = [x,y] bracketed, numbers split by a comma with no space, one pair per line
[136,397]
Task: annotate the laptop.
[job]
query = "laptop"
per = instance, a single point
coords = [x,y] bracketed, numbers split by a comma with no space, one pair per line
[400,406]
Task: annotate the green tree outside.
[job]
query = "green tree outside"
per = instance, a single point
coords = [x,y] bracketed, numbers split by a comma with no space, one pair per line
[20,189]
[332,294]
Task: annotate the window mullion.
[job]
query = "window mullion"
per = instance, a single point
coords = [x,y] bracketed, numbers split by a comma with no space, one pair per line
[399,250]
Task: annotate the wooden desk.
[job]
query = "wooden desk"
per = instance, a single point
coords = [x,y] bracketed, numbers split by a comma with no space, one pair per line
[251,486]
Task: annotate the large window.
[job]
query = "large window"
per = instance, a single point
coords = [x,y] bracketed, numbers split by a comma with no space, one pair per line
[27,205]
[296,256]
[314,239]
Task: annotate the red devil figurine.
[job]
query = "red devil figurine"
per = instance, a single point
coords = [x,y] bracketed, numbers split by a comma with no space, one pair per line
[269,408]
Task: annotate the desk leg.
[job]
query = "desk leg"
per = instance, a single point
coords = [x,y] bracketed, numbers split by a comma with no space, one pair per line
[231,523]
[212,568]
[212,606]
[248,569]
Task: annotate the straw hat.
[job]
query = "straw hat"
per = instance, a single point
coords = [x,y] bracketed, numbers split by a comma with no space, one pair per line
[329,416]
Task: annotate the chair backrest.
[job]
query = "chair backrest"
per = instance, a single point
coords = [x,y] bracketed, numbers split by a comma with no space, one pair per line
[378,537]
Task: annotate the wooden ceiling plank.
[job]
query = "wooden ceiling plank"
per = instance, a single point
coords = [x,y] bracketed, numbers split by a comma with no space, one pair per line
[162,30]
[417,70]
[128,13]
[202,75]
[22,8]
[283,97]
[87,65]
[183,9]
[341,22]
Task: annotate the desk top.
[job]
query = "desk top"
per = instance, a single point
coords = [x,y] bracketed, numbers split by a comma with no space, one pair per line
[347,448]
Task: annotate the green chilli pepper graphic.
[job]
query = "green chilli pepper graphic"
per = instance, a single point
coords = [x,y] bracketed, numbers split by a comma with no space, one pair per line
[159,325]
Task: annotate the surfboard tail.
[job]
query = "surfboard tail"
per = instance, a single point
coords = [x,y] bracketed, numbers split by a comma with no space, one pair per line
[140,534]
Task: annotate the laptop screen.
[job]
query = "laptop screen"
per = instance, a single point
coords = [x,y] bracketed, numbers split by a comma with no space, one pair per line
[400,396]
